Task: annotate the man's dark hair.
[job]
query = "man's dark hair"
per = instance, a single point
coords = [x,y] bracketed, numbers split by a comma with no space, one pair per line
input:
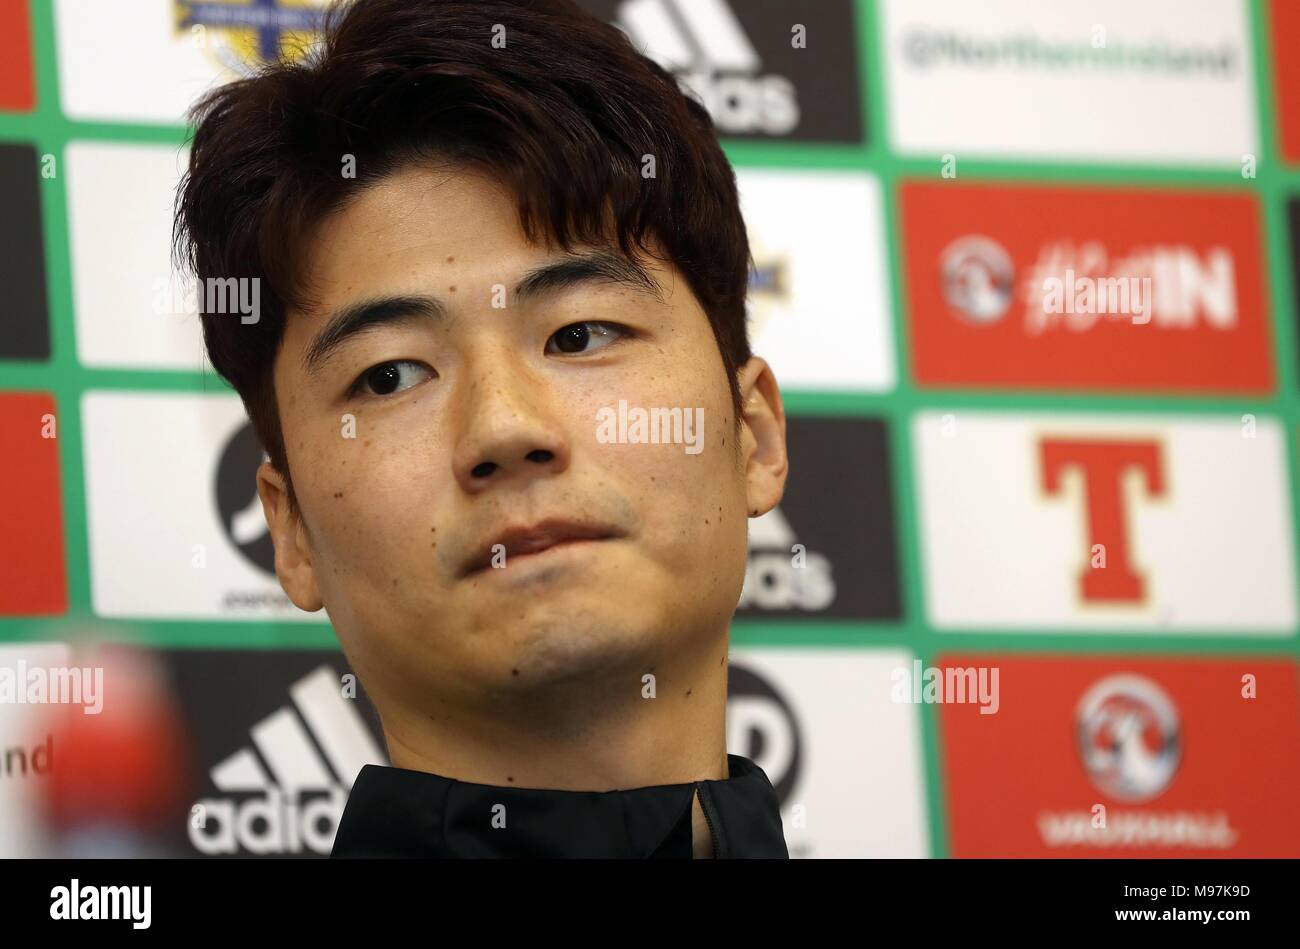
[566,115]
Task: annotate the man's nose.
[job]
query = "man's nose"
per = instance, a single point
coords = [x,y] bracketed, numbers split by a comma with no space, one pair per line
[510,430]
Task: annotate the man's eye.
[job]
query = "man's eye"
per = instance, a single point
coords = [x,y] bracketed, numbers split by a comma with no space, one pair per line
[575,337]
[389,377]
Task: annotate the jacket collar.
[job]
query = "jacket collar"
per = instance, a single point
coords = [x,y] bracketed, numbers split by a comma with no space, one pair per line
[395,812]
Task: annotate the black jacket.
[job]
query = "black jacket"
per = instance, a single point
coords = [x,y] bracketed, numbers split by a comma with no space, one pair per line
[395,812]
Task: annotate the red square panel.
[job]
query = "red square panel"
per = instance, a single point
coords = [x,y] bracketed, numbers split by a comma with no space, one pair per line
[1123,756]
[17,87]
[31,519]
[1285,23]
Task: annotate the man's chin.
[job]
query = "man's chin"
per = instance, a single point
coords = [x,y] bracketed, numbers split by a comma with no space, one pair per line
[577,641]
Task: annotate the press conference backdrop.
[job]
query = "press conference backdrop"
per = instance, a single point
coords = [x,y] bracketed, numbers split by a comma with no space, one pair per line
[1025,271]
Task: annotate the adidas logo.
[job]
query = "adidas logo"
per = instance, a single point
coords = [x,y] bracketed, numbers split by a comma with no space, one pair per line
[704,45]
[287,793]
[780,574]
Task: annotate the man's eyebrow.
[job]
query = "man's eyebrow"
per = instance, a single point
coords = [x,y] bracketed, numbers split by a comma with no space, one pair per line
[580,268]
[561,274]
[357,317]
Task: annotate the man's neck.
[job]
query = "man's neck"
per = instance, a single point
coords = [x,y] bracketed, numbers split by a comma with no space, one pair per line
[579,736]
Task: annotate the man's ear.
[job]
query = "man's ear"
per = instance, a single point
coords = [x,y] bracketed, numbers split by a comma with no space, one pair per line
[293,556]
[762,436]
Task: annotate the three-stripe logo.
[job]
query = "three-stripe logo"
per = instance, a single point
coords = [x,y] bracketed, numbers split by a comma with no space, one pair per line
[703,43]
[287,792]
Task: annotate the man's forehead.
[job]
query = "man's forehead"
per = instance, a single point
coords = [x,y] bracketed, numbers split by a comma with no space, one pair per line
[385,240]
[522,275]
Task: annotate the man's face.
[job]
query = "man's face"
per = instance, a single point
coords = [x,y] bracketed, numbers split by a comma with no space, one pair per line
[466,413]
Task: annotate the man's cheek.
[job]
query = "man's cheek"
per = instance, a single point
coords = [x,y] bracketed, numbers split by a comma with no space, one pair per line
[678,496]
[343,497]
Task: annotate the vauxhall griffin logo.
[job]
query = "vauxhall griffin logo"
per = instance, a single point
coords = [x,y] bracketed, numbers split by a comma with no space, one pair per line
[285,793]
[703,44]
[978,279]
[1128,735]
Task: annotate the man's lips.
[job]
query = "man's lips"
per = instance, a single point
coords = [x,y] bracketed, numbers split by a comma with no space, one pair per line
[535,538]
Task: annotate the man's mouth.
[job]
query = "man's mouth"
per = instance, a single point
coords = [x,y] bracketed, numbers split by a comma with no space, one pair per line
[526,540]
